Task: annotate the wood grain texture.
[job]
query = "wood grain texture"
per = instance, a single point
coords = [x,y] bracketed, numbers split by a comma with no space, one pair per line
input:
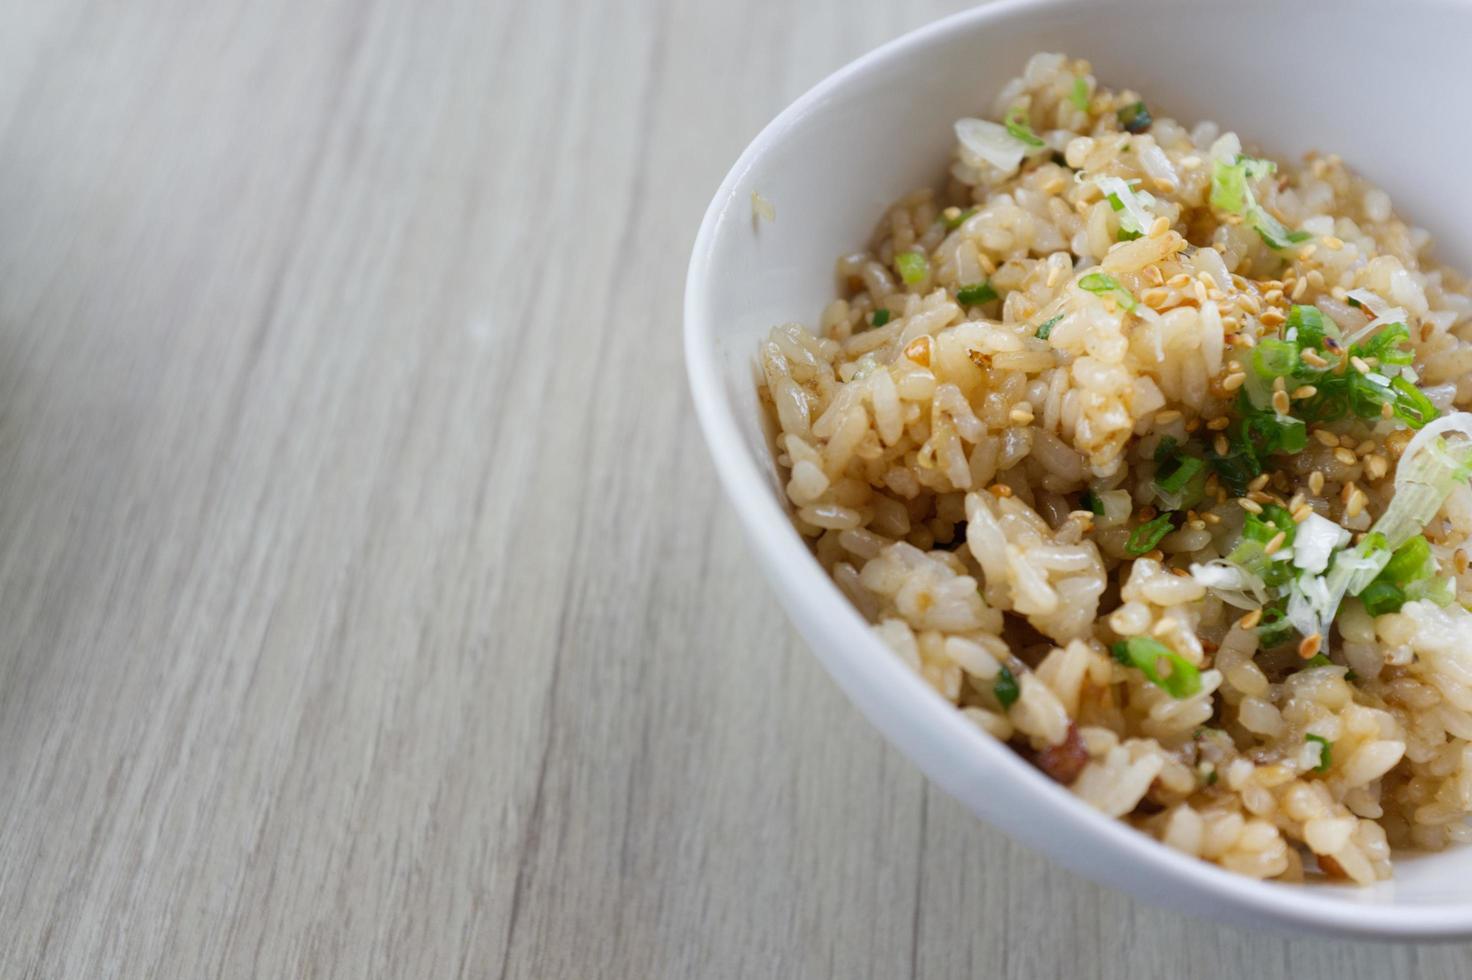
[369,607]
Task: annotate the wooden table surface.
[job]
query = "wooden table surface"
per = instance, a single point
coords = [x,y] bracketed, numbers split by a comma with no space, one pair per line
[369,606]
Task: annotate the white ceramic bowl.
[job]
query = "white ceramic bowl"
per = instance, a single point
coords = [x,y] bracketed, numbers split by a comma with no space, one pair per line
[1385,90]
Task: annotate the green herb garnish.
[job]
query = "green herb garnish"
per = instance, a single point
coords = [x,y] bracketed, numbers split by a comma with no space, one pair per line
[1146,536]
[880,317]
[1017,124]
[1090,501]
[1079,94]
[1134,118]
[977,292]
[1006,688]
[953,223]
[1047,327]
[1326,751]
[1103,284]
[913,267]
[1161,665]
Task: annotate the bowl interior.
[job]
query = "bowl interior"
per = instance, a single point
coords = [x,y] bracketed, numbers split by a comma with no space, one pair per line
[1287,82]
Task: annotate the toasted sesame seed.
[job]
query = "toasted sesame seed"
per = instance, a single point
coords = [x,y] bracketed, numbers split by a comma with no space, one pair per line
[1218,424]
[1251,619]
[1159,226]
[1304,391]
[1316,483]
[1299,288]
[1272,296]
[1280,401]
[1310,646]
[1385,410]
[1326,438]
[1200,291]
[1196,525]
[1301,512]
[1178,280]
[1427,329]
[1154,298]
[1221,445]
[1020,416]
[1357,501]
[1259,481]
[1192,425]
[1275,542]
[1251,506]
[1000,489]
[1272,318]
[1358,363]
[1333,242]
[1156,555]
[951,213]
[1279,384]
[1167,416]
[1311,356]
[1055,185]
[1246,340]
[1364,448]
[1345,456]
[1154,276]
[1211,518]
[918,350]
[1208,280]
[1376,466]
[1147,513]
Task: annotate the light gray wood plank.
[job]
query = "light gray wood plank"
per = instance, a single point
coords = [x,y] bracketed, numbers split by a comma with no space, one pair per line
[370,606]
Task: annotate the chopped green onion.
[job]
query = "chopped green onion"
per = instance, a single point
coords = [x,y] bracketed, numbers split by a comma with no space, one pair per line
[1006,688]
[953,223]
[1180,678]
[880,317]
[1017,124]
[1079,95]
[1104,284]
[977,292]
[1047,327]
[1232,192]
[1273,629]
[1307,327]
[1381,597]
[1146,536]
[1183,474]
[1317,660]
[1326,751]
[1090,501]
[1134,118]
[913,267]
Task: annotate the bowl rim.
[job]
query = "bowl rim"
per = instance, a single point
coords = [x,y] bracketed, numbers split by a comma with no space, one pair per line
[1327,909]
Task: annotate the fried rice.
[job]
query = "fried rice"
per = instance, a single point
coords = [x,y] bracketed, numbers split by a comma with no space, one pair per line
[1147,454]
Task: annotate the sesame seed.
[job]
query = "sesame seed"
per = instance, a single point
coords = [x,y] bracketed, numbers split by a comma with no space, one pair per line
[1427,329]
[1315,278]
[1368,446]
[1376,466]
[1304,391]
[1310,646]
[1211,518]
[1249,303]
[1359,365]
[1167,416]
[1192,425]
[1333,243]
[1154,275]
[951,213]
[1156,555]
[1218,424]
[1301,512]
[1221,445]
[1159,226]
[1299,288]
[1251,619]
[1178,280]
[1020,416]
[1208,280]
[1280,401]
[1147,513]
[1357,501]
[1311,356]
[1279,384]
[1385,410]
[1272,318]
[1154,298]
[1275,542]
[1258,482]
[1307,252]
[1251,506]
[1272,296]
[1326,438]
[1345,456]
[1000,489]
[1460,559]
[918,350]
[1316,483]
